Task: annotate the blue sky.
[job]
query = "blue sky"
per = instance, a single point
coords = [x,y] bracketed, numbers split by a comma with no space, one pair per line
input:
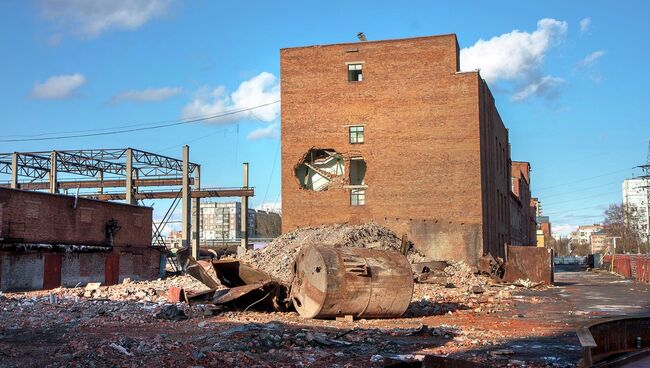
[569,79]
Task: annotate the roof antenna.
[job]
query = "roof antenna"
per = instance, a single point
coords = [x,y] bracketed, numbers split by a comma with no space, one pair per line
[361,36]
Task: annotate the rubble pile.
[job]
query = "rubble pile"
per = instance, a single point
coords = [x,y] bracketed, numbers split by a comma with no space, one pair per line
[277,258]
[458,289]
[149,291]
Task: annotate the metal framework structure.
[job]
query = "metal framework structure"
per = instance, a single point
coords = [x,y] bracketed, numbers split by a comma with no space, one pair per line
[91,163]
[128,168]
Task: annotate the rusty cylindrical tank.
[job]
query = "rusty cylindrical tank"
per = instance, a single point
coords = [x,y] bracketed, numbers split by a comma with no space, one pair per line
[365,283]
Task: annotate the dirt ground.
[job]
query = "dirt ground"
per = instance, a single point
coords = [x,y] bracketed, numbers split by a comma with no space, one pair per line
[500,327]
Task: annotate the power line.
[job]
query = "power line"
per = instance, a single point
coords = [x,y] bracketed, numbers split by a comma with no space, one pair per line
[573,209]
[174,123]
[275,159]
[579,198]
[583,179]
[560,194]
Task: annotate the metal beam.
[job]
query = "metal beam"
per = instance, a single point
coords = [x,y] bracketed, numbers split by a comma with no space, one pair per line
[91,162]
[186,204]
[53,173]
[205,193]
[14,170]
[130,198]
[196,221]
[110,183]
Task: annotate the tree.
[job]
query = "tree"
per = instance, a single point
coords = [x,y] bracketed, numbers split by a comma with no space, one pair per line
[619,223]
[580,249]
[560,246]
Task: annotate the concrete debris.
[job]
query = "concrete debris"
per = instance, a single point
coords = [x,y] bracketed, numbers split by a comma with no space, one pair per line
[171,313]
[527,283]
[455,326]
[277,257]
[121,349]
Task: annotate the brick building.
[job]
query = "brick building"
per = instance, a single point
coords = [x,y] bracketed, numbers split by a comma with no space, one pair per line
[48,240]
[392,131]
[522,218]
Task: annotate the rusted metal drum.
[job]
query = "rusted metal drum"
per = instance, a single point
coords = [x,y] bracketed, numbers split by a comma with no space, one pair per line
[365,283]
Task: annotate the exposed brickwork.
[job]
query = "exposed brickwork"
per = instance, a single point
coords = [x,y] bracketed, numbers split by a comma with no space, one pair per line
[37,217]
[437,152]
[522,221]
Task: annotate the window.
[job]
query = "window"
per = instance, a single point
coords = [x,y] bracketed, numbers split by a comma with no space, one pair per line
[356,134]
[357,197]
[354,73]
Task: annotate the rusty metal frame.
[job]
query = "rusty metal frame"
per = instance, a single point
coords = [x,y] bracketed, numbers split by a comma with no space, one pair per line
[91,162]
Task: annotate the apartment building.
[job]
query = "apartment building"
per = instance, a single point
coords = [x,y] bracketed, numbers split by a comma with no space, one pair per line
[635,197]
[222,221]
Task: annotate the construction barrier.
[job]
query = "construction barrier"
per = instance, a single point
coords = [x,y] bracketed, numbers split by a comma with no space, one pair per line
[631,266]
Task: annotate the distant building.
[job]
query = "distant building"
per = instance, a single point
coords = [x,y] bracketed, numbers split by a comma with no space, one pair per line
[174,239]
[599,241]
[222,221]
[544,223]
[522,217]
[541,241]
[583,234]
[536,206]
[635,197]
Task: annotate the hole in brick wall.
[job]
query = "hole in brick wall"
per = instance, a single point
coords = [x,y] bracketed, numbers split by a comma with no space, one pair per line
[319,168]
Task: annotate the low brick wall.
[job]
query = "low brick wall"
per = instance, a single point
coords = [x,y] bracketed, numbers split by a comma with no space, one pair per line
[34,270]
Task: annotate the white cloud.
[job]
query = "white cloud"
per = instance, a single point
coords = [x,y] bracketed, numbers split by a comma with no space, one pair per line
[513,55]
[58,87]
[259,90]
[585,24]
[590,59]
[517,57]
[91,18]
[564,229]
[547,87]
[270,131]
[146,95]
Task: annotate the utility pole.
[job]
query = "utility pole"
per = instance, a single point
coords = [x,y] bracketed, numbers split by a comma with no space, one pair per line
[646,187]
[611,266]
[243,218]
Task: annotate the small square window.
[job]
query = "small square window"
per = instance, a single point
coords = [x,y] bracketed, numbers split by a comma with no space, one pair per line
[354,73]
[356,134]
[357,197]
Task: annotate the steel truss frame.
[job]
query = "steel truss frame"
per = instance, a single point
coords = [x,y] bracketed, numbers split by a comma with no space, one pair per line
[92,162]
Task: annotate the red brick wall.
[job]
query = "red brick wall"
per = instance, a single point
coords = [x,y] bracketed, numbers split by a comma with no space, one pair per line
[525,235]
[423,126]
[495,174]
[37,217]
